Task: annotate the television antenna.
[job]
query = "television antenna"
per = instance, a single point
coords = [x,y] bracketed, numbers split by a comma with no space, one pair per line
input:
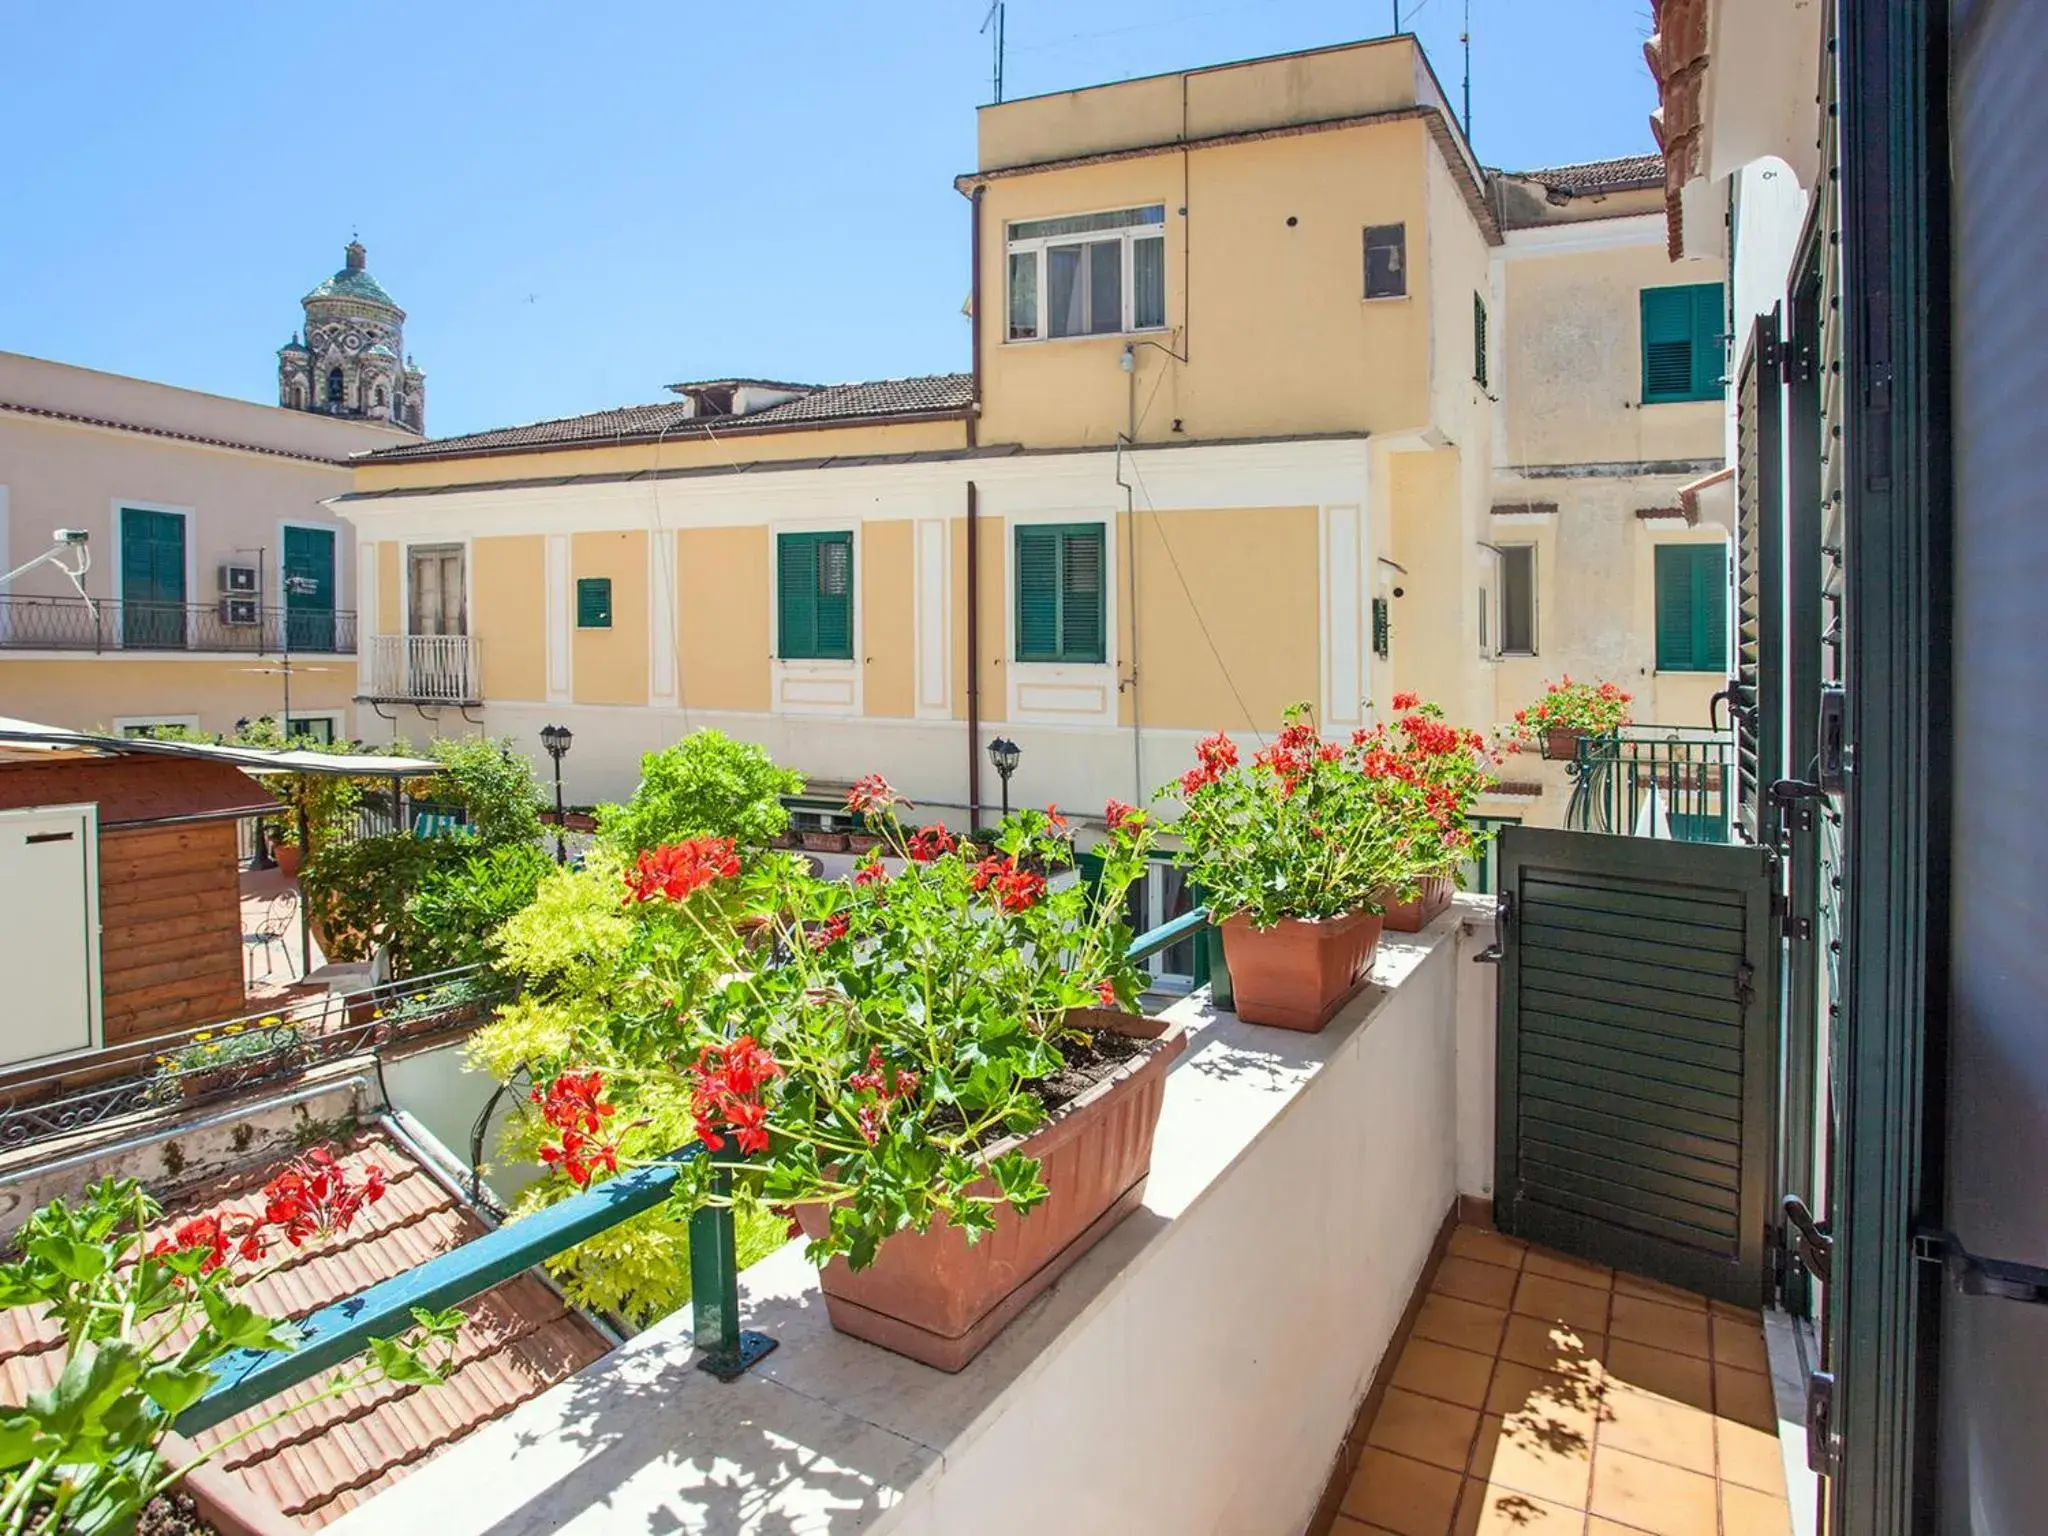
[63,542]
[1465,41]
[995,18]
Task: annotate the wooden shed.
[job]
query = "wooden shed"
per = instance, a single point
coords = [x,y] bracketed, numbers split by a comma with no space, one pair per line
[120,901]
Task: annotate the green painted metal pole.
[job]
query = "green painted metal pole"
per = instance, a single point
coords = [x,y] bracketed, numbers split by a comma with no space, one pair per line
[725,1349]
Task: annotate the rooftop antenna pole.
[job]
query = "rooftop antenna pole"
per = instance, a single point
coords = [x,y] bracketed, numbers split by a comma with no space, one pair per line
[1397,16]
[1465,37]
[995,17]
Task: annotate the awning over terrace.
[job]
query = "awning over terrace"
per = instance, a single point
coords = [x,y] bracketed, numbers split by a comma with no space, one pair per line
[26,736]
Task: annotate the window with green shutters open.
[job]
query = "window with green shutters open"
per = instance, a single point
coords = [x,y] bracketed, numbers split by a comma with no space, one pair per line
[1479,341]
[594,602]
[814,596]
[1682,350]
[1692,608]
[1062,597]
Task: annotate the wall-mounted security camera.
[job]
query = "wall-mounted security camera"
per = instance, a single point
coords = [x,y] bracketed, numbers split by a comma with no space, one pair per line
[69,536]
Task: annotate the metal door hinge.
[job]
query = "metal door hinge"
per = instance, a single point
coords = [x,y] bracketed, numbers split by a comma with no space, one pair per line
[1810,1239]
[1973,1275]
[1745,983]
[1823,1449]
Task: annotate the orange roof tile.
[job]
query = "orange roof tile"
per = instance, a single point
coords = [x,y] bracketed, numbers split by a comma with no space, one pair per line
[518,1340]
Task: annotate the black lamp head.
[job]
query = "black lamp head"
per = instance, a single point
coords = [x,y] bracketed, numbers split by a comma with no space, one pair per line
[556,738]
[1004,753]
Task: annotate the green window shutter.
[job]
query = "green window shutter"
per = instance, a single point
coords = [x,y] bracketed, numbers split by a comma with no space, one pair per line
[1682,351]
[1707,350]
[594,602]
[1479,340]
[1083,603]
[814,596]
[1038,593]
[1692,617]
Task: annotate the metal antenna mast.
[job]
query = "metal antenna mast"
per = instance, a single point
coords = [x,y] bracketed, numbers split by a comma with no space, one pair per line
[1465,37]
[995,18]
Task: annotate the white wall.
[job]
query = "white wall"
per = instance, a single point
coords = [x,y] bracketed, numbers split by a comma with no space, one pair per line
[1769,214]
[442,1094]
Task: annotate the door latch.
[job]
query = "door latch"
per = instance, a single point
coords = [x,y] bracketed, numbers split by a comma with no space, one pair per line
[1503,914]
[1811,1239]
[1974,1275]
[1823,1451]
[1833,769]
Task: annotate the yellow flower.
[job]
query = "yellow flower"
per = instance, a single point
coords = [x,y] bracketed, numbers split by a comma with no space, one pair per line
[232,1029]
[201,1038]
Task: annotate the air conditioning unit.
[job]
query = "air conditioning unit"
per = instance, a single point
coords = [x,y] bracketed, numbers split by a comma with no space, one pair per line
[238,580]
[240,612]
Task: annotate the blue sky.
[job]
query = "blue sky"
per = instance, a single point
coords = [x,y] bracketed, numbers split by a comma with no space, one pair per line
[579,205]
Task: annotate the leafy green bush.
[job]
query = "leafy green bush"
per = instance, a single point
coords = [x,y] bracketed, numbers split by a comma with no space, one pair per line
[358,895]
[492,783]
[706,785]
[457,910]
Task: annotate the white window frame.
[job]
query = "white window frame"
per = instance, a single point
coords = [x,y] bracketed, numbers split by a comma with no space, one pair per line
[123,724]
[1127,236]
[337,723]
[1152,888]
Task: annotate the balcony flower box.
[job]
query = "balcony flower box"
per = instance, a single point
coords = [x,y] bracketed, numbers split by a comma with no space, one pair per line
[1298,973]
[1431,902]
[1569,712]
[824,840]
[939,1299]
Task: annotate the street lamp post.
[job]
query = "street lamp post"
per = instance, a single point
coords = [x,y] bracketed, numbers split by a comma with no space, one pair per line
[1004,753]
[556,739]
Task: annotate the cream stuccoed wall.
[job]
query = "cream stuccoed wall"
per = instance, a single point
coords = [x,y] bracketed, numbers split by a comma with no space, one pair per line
[1251,577]
[259,469]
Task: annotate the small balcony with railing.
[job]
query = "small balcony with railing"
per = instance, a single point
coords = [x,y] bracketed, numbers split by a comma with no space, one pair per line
[231,625]
[1657,781]
[423,669]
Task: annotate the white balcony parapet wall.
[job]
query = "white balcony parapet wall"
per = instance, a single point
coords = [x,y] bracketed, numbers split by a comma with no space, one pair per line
[442,669]
[1195,1372]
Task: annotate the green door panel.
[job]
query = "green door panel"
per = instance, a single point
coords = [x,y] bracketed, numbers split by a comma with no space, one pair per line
[152,579]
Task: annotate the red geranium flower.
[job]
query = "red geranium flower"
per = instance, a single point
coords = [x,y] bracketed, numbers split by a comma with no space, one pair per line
[870,873]
[927,844]
[1117,815]
[1019,890]
[871,792]
[1407,700]
[677,871]
[833,931]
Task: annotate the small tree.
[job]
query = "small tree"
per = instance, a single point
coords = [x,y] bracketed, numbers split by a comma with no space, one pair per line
[706,785]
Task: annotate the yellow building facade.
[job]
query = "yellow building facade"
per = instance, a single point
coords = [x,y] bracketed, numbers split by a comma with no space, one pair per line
[1230,441]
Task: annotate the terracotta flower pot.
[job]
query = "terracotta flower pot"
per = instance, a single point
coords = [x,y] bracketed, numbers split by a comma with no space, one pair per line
[1298,973]
[931,1296]
[1414,916]
[1562,746]
[825,842]
[289,857]
[862,842]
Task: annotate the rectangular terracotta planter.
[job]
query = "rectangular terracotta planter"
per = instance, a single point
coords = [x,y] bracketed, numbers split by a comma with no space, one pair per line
[825,842]
[931,1296]
[1414,916]
[1562,746]
[1298,973]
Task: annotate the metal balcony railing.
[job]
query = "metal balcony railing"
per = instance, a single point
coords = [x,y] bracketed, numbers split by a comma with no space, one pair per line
[110,624]
[339,1332]
[438,669]
[1654,781]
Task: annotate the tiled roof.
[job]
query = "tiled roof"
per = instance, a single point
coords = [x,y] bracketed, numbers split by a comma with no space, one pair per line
[352,283]
[1629,171]
[934,394]
[314,1467]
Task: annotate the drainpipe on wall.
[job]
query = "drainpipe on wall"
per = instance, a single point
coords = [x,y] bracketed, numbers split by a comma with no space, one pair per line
[973,661]
[974,317]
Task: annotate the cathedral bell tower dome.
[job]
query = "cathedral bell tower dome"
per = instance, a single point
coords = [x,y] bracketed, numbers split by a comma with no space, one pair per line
[352,359]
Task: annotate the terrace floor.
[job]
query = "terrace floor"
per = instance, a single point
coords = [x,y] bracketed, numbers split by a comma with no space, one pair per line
[1540,1395]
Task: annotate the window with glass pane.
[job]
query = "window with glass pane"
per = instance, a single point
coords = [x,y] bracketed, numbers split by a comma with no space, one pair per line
[1386,261]
[1062,598]
[814,596]
[1097,274]
[1518,600]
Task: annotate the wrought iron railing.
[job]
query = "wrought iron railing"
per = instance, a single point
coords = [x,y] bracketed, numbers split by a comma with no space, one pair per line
[339,1332]
[439,669]
[1654,781]
[231,624]
[212,1062]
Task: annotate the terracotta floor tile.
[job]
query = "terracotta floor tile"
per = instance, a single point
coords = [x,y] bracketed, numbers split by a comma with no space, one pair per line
[1740,1343]
[1514,1455]
[1745,1512]
[1645,1424]
[1485,1511]
[1408,1498]
[1753,1458]
[1678,1329]
[1745,1397]
[1550,1346]
[1681,1378]
[1595,1526]
[1346,1526]
[1423,1428]
[1469,1280]
[1657,1290]
[1541,1261]
[1437,1370]
[1652,1496]
[1739,1314]
[1487,1247]
[1577,1306]
[1462,1324]
[1567,1399]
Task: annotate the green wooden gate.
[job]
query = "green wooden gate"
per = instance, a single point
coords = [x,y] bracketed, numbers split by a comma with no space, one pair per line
[1637,1055]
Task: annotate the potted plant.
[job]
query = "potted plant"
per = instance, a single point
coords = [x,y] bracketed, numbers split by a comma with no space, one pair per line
[1568,712]
[1296,850]
[824,839]
[1451,768]
[934,1068]
[216,1060]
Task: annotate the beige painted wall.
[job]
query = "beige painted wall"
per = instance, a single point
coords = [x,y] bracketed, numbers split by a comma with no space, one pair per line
[93,692]
[888,619]
[609,666]
[390,588]
[726,451]
[1435,635]
[1224,636]
[509,592]
[993,570]
[1574,371]
[1231,98]
[1271,317]
[723,623]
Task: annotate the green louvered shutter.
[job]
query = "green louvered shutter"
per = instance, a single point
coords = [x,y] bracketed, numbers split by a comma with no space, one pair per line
[1706,341]
[796,622]
[594,602]
[1479,340]
[1038,594]
[835,596]
[1667,344]
[1082,601]
[1692,619]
